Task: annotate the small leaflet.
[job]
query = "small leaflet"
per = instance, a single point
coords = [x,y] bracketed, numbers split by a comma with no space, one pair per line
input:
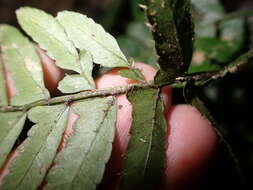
[11,125]
[134,74]
[73,83]
[36,153]
[84,81]
[19,57]
[172,28]
[81,164]
[145,156]
[89,36]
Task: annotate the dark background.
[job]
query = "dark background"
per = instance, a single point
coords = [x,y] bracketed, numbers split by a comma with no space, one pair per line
[229,100]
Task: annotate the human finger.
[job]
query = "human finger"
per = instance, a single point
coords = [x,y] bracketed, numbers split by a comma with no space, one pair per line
[192,142]
[52,74]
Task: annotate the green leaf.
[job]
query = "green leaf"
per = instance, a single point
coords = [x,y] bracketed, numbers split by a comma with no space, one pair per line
[21,60]
[73,83]
[84,81]
[3,91]
[172,28]
[89,36]
[11,125]
[50,35]
[145,156]
[90,146]
[155,164]
[134,74]
[37,152]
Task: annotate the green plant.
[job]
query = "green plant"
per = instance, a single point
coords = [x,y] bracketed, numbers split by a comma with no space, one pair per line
[75,48]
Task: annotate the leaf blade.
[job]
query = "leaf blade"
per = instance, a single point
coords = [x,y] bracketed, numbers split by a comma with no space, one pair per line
[11,126]
[84,81]
[90,145]
[73,83]
[37,152]
[173,40]
[93,38]
[21,60]
[156,163]
[142,161]
[134,74]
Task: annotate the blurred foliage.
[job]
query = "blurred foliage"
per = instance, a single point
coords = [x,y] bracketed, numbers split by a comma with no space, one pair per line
[137,40]
[217,43]
[137,43]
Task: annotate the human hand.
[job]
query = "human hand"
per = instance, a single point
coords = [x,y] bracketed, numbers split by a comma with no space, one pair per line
[191,139]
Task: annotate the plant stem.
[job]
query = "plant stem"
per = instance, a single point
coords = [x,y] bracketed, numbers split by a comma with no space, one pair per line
[196,77]
[77,96]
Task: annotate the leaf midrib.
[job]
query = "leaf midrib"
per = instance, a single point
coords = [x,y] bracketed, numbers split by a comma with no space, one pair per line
[151,136]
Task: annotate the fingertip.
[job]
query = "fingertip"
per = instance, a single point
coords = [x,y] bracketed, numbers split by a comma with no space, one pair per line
[192,143]
[147,70]
[111,79]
